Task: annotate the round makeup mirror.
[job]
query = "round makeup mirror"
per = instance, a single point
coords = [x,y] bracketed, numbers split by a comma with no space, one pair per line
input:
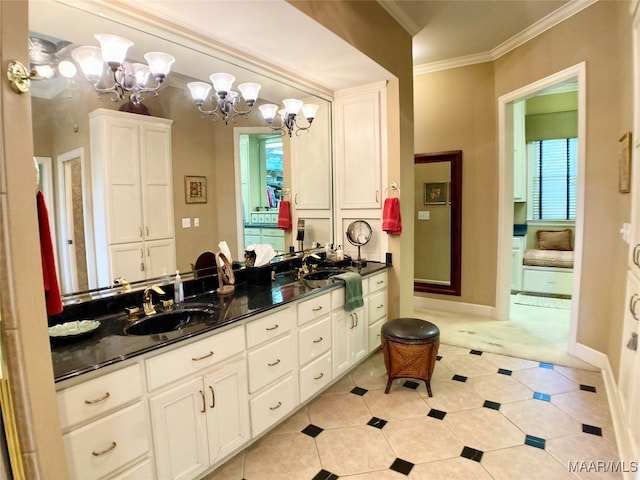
[359,234]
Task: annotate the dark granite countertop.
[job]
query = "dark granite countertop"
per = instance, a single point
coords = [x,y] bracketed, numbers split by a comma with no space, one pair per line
[109,344]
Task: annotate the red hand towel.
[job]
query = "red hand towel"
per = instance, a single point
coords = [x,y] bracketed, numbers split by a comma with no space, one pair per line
[284,215]
[391,220]
[51,288]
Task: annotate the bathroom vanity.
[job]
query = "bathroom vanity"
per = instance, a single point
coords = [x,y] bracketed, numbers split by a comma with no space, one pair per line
[180,403]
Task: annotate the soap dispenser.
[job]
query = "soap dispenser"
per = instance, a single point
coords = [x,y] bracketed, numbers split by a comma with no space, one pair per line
[178,289]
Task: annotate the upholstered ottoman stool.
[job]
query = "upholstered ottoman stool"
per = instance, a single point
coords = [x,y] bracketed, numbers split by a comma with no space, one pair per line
[410,346]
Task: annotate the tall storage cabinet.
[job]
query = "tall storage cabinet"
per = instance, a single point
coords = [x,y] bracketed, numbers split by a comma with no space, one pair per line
[361,162]
[132,183]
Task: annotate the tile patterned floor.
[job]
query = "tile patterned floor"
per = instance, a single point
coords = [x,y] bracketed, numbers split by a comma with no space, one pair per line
[490,417]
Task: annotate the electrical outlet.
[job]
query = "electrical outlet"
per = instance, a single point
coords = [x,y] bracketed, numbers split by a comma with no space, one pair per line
[423,215]
[186,223]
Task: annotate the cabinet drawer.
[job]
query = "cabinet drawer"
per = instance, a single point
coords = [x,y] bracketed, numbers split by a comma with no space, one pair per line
[142,471]
[377,282]
[313,308]
[377,305]
[315,376]
[270,362]
[272,405]
[314,340]
[178,363]
[374,335]
[555,281]
[268,327]
[252,231]
[98,396]
[107,444]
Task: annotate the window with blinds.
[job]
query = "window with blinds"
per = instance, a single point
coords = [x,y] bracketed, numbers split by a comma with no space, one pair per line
[554,179]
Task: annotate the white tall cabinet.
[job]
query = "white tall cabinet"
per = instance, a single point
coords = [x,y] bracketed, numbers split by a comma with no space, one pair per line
[629,374]
[361,163]
[133,192]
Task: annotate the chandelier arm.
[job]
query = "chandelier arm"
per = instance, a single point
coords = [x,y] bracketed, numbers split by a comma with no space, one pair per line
[212,112]
[239,112]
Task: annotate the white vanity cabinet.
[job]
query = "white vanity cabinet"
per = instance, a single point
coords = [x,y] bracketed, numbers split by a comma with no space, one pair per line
[105,426]
[518,246]
[271,345]
[199,420]
[376,303]
[131,170]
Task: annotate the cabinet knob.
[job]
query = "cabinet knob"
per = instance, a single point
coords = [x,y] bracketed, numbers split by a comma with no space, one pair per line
[632,344]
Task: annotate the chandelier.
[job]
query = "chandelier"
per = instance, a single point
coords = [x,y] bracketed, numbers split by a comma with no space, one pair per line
[227,102]
[284,119]
[106,68]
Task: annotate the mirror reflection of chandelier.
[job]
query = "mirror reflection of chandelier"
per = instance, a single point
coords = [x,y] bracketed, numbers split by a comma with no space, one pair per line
[227,102]
[106,68]
[284,119]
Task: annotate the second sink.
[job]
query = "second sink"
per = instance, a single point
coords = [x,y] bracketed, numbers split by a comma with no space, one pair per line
[170,321]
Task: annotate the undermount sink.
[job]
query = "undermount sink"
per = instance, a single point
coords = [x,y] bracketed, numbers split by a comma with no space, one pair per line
[163,322]
[321,278]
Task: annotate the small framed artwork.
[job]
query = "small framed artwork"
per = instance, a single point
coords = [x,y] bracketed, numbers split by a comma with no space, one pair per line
[195,189]
[435,193]
[624,163]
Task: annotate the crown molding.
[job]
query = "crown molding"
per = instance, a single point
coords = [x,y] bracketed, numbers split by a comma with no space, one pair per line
[541,26]
[405,20]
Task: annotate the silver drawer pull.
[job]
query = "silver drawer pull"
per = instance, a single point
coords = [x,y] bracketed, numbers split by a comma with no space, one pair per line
[274,363]
[317,309]
[105,451]
[319,376]
[98,400]
[196,359]
[318,340]
[272,328]
[276,407]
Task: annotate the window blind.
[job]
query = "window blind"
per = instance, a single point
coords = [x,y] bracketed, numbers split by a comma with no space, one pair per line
[554,179]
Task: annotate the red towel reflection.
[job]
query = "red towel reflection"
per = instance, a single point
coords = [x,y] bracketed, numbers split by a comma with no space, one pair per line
[391,220]
[51,288]
[284,215]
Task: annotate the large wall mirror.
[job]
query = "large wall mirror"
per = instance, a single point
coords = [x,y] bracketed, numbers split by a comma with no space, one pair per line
[438,225]
[201,148]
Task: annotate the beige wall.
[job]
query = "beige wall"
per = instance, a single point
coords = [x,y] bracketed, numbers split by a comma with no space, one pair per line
[457,109]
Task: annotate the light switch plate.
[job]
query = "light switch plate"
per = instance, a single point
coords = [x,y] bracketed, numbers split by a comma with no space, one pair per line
[423,215]
[186,223]
[196,221]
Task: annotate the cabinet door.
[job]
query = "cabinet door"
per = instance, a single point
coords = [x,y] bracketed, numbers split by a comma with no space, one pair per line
[121,167]
[349,339]
[157,189]
[180,431]
[161,257]
[311,165]
[127,260]
[227,409]
[519,153]
[359,149]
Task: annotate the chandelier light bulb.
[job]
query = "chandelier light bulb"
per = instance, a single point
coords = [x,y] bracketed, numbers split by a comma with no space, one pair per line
[199,91]
[222,82]
[90,61]
[292,105]
[268,111]
[141,73]
[249,91]
[309,111]
[67,69]
[159,63]
[114,49]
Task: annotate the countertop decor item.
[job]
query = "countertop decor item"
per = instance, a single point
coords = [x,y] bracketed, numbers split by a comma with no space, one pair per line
[359,233]
[72,330]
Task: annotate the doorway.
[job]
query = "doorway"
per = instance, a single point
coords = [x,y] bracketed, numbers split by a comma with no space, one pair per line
[506,104]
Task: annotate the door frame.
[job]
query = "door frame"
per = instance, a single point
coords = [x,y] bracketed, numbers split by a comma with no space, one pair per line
[505,193]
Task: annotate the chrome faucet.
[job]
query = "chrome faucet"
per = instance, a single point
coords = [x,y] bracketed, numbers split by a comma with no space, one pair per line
[304,269]
[147,303]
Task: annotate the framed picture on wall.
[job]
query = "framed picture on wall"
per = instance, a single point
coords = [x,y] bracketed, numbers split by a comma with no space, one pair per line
[435,193]
[195,189]
[624,163]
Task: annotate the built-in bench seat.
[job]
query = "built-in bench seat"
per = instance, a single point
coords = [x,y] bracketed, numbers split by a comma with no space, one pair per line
[548,270]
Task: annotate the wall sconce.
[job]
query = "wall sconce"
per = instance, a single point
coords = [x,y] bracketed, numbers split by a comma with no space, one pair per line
[226,101]
[137,79]
[285,118]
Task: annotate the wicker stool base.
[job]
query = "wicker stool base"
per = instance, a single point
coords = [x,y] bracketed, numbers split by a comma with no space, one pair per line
[410,359]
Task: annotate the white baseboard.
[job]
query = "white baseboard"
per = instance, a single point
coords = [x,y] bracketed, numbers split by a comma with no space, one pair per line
[454,307]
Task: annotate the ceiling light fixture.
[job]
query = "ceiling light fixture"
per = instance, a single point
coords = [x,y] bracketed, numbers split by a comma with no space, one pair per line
[284,119]
[227,102]
[136,79]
